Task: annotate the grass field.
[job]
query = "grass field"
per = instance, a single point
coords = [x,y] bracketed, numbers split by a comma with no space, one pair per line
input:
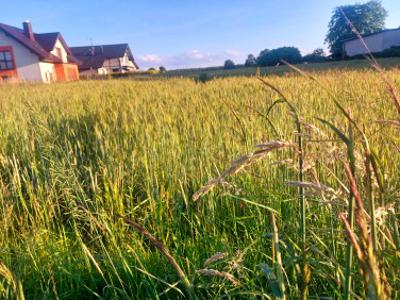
[282,69]
[80,163]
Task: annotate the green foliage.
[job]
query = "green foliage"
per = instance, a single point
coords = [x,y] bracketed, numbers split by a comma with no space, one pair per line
[162,69]
[204,77]
[390,52]
[367,18]
[273,57]
[229,64]
[251,61]
[318,55]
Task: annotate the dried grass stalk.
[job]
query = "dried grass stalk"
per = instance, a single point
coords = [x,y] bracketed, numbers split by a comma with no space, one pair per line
[216,257]
[237,261]
[15,284]
[221,274]
[375,285]
[262,151]
[164,251]
[311,185]
[394,123]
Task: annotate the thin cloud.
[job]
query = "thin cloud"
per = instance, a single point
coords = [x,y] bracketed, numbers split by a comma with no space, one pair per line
[191,59]
[150,58]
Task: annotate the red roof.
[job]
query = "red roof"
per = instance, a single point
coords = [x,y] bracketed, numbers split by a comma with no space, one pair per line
[41,46]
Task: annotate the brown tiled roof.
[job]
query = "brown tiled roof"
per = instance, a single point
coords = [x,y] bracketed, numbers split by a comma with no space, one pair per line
[41,46]
[93,57]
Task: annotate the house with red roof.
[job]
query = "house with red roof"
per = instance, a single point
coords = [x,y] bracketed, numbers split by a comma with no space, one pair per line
[35,57]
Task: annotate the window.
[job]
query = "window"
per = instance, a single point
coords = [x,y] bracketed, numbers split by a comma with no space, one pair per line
[6,60]
[59,52]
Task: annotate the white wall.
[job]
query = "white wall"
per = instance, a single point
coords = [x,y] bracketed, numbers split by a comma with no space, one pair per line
[116,63]
[375,43]
[125,61]
[100,71]
[47,72]
[64,54]
[391,39]
[27,63]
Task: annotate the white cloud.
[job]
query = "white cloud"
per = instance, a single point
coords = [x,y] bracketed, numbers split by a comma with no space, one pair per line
[150,58]
[191,59]
[234,53]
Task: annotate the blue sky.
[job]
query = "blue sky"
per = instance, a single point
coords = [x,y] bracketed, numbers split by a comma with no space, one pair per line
[185,33]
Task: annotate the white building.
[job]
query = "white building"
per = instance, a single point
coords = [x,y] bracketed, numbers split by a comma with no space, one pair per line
[29,56]
[105,59]
[376,42]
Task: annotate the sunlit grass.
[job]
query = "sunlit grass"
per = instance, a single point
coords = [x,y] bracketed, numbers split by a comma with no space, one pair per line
[75,159]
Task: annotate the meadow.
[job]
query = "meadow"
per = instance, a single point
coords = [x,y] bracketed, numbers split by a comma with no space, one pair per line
[342,65]
[106,188]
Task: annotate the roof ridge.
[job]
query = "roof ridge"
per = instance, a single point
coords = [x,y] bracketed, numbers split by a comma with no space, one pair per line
[87,46]
[35,46]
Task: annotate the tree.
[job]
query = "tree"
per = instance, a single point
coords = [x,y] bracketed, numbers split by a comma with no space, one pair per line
[162,69]
[273,57]
[251,61]
[367,18]
[261,57]
[319,52]
[318,55]
[229,64]
[152,71]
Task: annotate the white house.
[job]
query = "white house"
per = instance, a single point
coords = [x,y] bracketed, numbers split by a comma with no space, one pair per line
[28,56]
[376,42]
[104,59]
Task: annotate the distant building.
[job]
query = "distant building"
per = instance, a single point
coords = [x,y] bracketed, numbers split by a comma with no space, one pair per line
[29,56]
[105,59]
[376,42]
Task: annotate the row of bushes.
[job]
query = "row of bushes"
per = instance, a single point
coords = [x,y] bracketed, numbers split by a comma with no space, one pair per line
[391,52]
[273,57]
[292,55]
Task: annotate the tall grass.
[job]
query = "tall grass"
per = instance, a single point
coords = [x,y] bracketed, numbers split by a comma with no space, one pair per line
[79,160]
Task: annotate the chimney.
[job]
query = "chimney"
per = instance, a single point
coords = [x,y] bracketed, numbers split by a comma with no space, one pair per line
[28,30]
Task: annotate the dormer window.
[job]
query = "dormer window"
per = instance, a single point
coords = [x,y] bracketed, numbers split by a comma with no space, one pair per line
[59,52]
[6,59]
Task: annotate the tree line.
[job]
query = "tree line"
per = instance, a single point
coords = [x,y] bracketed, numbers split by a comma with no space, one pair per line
[366,18]
[274,57]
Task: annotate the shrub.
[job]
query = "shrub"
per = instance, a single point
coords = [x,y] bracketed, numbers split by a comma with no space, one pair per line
[318,55]
[271,58]
[152,71]
[229,64]
[251,61]
[204,77]
[390,52]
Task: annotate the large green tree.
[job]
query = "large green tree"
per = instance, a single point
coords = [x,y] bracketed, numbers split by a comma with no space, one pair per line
[367,18]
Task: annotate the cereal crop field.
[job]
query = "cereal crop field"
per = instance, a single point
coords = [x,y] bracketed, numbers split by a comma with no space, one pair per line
[283,187]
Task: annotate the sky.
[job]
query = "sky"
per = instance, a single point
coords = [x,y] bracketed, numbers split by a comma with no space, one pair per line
[186,33]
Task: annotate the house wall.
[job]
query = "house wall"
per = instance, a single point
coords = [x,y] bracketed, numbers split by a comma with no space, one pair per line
[127,62]
[64,54]
[66,72]
[376,43]
[27,63]
[93,72]
[391,39]
[47,71]
[116,63]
